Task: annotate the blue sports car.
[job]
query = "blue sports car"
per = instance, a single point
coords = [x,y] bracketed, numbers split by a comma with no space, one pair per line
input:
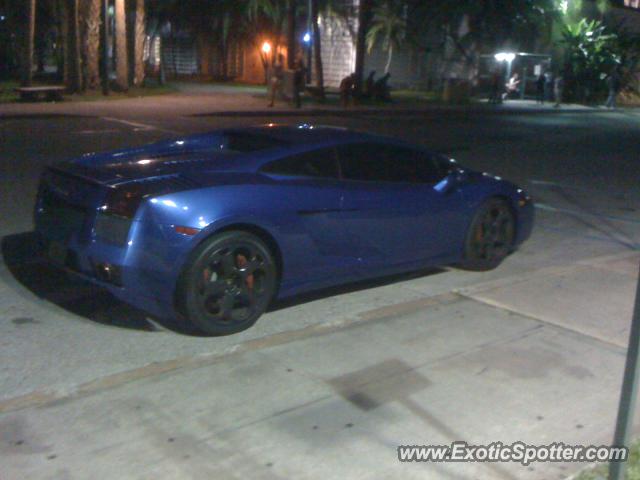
[211,228]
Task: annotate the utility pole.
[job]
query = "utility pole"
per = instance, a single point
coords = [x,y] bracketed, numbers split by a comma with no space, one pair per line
[309,35]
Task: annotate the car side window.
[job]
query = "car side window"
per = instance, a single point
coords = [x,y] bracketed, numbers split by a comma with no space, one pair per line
[429,169]
[318,164]
[371,162]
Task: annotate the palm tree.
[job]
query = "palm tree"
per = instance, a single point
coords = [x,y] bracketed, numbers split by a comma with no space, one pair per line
[91,19]
[136,39]
[292,11]
[364,17]
[122,65]
[389,23]
[267,17]
[223,28]
[27,60]
[74,58]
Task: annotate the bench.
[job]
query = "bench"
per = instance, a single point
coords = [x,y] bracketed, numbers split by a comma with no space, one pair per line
[51,93]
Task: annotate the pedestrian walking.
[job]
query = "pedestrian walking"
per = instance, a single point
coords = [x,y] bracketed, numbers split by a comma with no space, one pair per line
[540,81]
[613,82]
[277,78]
[558,88]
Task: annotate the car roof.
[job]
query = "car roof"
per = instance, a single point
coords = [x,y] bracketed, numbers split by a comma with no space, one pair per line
[262,144]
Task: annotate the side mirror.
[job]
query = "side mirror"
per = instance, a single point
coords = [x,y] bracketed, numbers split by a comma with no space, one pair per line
[454,178]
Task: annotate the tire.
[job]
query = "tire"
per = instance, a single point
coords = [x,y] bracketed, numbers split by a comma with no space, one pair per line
[228,283]
[490,237]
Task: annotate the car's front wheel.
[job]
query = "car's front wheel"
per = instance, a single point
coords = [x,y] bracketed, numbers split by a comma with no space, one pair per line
[490,237]
[228,283]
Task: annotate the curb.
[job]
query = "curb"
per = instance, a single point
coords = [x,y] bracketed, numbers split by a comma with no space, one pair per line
[317,112]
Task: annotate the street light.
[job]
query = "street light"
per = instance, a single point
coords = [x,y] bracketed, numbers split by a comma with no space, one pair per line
[265,55]
[307,41]
[505,57]
[508,58]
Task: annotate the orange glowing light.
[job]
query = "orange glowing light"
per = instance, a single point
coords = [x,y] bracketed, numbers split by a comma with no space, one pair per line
[266,48]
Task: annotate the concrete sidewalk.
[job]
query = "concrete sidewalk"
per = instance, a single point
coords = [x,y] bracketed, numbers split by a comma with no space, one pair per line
[334,400]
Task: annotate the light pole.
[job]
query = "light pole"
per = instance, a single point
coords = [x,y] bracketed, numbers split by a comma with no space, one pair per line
[628,394]
[307,41]
[265,53]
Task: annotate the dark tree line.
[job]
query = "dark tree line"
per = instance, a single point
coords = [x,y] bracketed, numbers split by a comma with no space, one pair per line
[74,30]
[472,27]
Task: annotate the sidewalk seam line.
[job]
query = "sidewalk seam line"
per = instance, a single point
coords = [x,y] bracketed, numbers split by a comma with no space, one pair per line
[549,323]
[43,397]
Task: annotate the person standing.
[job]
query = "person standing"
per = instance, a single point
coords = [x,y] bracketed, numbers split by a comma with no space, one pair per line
[369,85]
[299,76]
[346,89]
[558,88]
[540,81]
[512,86]
[277,78]
[381,89]
[613,82]
[548,86]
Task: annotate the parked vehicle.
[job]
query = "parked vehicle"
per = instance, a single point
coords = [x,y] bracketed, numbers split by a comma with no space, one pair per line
[211,228]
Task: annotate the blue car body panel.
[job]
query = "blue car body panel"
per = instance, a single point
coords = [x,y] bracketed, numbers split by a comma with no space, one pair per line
[324,231]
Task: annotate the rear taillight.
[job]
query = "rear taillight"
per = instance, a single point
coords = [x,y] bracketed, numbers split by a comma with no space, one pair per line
[124,202]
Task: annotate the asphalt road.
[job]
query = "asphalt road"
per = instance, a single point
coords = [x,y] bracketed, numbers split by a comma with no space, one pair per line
[68,351]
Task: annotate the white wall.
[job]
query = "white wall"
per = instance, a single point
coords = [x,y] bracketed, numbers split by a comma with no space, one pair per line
[338,46]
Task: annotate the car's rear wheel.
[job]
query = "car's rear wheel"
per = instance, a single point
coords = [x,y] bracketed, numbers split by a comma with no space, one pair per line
[490,237]
[228,284]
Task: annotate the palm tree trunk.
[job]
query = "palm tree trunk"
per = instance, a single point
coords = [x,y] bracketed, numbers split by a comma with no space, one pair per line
[389,58]
[141,35]
[136,38]
[61,40]
[29,39]
[91,18]
[122,64]
[74,58]
[63,9]
[364,14]
[291,33]
[317,48]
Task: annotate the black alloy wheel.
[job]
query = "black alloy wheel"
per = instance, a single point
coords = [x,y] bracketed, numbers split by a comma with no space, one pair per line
[229,283]
[490,237]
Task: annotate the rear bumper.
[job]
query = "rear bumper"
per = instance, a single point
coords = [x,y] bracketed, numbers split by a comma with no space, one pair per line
[88,263]
[137,260]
